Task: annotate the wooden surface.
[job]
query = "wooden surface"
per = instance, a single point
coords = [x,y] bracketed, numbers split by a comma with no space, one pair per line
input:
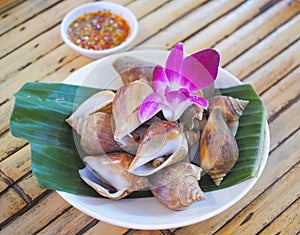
[259,43]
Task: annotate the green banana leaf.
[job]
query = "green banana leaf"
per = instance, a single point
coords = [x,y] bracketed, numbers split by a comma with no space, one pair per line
[39,115]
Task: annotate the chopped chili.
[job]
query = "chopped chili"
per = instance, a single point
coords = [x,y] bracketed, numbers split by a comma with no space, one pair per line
[99,30]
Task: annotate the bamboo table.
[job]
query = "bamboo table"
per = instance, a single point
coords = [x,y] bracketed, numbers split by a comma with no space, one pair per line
[259,43]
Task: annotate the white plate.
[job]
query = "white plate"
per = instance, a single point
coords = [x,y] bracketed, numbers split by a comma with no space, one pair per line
[148,213]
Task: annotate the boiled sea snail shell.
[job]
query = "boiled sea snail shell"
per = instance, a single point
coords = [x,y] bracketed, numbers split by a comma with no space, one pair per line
[108,175]
[232,109]
[162,139]
[99,102]
[96,133]
[191,117]
[125,109]
[92,120]
[218,147]
[193,140]
[131,69]
[176,186]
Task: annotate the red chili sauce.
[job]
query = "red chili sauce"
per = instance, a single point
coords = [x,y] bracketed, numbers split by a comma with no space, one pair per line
[99,30]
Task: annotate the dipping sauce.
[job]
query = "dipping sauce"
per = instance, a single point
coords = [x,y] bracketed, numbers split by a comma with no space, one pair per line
[99,30]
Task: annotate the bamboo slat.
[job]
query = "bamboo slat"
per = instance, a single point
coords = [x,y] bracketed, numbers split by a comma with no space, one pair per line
[162,17]
[281,160]
[28,185]
[288,223]
[5,108]
[70,222]
[286,127]
[262,211]
[272,72]
[21,13]
[3,184]
[32,28]
[6,4]
[33,51]
[17,197]
[122,2]
[266,49]
[256,29]
[17,165]
[191,23]
[105,227]
[38,216]
[282,93]
[224,26]
[10,204]
[41,68]
[9,144]
[138,7]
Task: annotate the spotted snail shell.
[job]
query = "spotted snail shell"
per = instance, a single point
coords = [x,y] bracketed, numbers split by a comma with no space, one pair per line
[96,133]
[176,186]
[232,109]
[218,147]
[92,120]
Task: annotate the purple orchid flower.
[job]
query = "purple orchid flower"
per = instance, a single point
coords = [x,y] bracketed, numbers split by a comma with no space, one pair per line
[175,86]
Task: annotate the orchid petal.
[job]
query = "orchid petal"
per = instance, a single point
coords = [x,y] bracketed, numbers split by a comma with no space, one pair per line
[160,80]
[174,60]
[151,105]
[210,59]
[200,101]
[201,68]
[176,103]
